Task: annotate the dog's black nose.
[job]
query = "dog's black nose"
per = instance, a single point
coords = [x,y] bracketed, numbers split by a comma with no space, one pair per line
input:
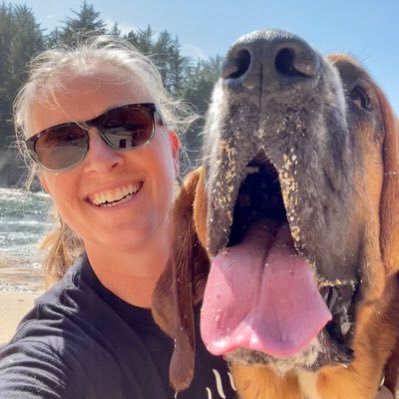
[270,59]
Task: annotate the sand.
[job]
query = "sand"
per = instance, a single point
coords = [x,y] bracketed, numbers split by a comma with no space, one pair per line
[13,307]
[19,287]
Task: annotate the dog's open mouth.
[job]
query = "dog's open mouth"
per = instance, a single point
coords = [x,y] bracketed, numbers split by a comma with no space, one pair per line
[262,294]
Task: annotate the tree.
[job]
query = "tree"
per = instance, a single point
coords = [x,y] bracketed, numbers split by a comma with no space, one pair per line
[196,90]
[115,31]
[142,39]
[20,38]
[161,55]
[86,20]
[54,37]
[178,65]
[170,62]
[164,51]
[26,42]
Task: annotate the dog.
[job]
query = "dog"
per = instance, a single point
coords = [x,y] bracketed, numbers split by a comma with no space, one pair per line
[289,231]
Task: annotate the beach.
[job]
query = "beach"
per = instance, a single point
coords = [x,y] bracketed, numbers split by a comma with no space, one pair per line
[13,306]
[19,287]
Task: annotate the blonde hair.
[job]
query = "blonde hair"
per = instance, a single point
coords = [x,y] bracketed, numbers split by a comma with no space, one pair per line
[45,73]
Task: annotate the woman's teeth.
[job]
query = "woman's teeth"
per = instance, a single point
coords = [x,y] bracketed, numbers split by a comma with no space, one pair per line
[115,197]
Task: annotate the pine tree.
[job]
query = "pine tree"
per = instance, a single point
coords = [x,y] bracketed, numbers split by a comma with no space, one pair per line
[196,90]
[20,38]
[86,21]
[26,42]
[54,37]
[142,39]
[115,31]
[178,65]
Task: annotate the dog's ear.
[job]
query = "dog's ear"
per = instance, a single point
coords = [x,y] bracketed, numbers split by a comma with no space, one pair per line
[389,205]
[181,285]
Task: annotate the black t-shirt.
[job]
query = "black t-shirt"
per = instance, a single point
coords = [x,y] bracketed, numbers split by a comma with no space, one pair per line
[80,341]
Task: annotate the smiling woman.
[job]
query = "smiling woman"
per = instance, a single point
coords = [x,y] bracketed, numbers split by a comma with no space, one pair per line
[99,128]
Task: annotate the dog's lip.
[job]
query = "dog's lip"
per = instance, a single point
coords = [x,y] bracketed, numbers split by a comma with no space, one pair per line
[258,164]
[342,327]
[322,282]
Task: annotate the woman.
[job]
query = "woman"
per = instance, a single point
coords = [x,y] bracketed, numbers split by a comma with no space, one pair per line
[97,122]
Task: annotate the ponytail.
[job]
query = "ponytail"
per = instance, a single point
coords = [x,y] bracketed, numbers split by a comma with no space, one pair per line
[63,246]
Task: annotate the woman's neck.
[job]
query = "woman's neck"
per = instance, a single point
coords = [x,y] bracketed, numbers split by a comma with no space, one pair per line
[130,274]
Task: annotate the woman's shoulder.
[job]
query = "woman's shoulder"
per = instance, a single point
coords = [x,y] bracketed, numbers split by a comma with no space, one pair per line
[66,309]
[62,296]
[75,312]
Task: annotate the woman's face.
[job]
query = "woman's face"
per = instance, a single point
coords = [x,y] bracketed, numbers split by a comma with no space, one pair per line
[147,172]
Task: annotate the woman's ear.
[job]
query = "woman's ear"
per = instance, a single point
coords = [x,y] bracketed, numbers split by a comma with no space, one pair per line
[43,183]
[175,144]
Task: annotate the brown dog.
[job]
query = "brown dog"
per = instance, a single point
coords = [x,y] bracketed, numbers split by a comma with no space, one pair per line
[294,218]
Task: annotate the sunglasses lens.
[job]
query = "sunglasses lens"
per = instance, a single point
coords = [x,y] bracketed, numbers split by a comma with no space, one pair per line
[127,127]
[62,147]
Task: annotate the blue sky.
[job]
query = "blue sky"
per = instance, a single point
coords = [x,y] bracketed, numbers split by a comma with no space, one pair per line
[367,29]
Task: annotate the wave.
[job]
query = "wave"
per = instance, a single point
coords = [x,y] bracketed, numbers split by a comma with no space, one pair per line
[24,220]
[19,193]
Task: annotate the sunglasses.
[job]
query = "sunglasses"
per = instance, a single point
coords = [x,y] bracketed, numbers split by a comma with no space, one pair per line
[62,147]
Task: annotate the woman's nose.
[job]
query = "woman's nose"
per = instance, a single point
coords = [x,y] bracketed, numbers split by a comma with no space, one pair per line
[101,157]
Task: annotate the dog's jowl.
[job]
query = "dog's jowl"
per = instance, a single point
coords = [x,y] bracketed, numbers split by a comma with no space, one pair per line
[292,226]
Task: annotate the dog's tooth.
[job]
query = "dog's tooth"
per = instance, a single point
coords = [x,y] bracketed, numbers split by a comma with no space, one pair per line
[345,327]
[332,297]
[325,293]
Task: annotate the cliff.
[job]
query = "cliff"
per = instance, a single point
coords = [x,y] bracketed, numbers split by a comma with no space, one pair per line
[13,171]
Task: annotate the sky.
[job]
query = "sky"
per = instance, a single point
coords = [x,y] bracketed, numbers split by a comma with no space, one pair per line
[366,29]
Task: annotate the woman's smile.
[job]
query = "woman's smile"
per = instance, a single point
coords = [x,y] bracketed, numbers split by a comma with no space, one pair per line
[115,197]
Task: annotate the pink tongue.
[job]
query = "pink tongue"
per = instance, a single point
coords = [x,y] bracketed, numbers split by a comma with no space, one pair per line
[262,296]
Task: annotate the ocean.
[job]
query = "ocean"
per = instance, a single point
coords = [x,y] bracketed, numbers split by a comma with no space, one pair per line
[24,220]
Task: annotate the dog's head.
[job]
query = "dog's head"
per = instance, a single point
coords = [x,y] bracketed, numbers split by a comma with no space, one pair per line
[296,206]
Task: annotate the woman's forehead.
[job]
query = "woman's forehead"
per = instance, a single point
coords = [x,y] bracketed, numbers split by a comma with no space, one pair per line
[83,96]
[92,79]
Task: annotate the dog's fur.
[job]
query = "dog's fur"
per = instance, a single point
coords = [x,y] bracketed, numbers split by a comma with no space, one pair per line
[343,212]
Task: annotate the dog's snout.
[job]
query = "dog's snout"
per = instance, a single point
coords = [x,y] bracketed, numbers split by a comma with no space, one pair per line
[238,65]
[296,61]
[269,59]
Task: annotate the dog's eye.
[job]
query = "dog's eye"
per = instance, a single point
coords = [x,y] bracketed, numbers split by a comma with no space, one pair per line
[359,96]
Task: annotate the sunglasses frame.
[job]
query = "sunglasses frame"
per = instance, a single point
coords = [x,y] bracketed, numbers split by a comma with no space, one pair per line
[96,122]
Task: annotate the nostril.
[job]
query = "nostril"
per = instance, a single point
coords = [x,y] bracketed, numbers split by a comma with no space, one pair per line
[284,62]
[237,65]
[293,63]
